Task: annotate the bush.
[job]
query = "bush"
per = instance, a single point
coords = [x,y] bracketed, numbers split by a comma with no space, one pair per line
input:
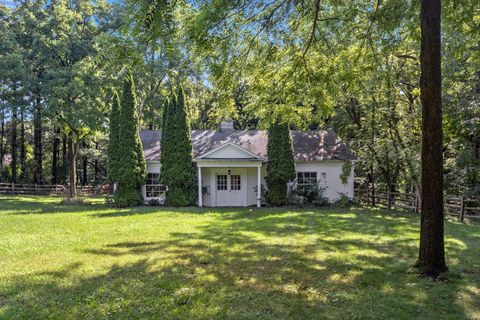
[313,196]
[344,201]
[126,197]
[154,203]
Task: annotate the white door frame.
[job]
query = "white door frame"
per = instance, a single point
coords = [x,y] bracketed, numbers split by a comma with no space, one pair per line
[232,164]
[237,198]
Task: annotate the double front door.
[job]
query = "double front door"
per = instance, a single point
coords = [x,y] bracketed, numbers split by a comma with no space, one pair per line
[231,187]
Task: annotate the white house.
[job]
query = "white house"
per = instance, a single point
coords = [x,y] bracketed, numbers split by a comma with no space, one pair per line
[231,164]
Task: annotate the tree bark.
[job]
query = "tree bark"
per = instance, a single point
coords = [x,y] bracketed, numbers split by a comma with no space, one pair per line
[96,166]
[37,137]
[2,145]
[64,160]
[23,155]
[14,146]
[55,154]
[431,259]
[72,157]
[85,167]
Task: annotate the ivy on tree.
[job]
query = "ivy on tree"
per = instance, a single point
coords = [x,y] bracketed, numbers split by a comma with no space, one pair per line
[281,165]
[131,166]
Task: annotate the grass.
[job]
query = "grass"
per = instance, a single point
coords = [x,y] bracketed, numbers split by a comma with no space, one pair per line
[91,261]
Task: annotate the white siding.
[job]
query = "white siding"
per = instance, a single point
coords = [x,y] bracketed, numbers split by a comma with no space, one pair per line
[333,169]
[252,184]
[334,186]
[207,182]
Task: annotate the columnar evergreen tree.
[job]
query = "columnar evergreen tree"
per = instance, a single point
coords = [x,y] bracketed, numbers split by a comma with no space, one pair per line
[132,166]
[166,140]
[280,166]
[178,172]
[114,155]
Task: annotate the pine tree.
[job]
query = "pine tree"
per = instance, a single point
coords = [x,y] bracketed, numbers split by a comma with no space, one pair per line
[114,155]
[132,166]
[178,172]
[281,165]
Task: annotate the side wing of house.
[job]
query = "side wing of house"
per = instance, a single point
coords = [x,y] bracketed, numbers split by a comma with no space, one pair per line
[328,176]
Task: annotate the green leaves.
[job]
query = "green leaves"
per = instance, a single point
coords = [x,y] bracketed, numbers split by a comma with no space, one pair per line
[281,165]
[114,152]
[131,165]
[177,171]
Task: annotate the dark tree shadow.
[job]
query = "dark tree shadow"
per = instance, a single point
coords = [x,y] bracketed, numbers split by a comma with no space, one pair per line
[239,270]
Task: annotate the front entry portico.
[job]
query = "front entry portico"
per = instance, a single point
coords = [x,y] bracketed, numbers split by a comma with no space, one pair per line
[229,176]
[229,185]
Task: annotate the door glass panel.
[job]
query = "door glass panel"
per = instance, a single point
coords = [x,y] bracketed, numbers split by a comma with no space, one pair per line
[235,182]
[221,182]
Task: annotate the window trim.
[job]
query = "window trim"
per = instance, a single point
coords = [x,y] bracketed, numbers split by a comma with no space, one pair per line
[305,183]
[238,183]
[153,187]
[224,182]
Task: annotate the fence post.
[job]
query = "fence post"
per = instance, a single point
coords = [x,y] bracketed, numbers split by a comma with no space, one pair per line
[13,187]
[462,207]
[35,188]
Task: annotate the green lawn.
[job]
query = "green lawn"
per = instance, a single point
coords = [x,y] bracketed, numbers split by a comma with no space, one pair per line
[95,262]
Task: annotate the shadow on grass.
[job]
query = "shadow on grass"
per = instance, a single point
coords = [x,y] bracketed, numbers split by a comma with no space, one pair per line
[352,266]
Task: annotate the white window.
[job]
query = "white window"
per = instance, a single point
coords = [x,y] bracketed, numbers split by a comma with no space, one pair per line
[306,181]
[235,182]
[221,182]
[153,187]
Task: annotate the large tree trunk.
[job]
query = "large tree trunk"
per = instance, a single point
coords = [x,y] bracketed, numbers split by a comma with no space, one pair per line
[55,154]
[37,137]
[64,160]
[431,259]
[72,157]
[23,155]
[85,167]
[2,145]
[14,146]
[96,166]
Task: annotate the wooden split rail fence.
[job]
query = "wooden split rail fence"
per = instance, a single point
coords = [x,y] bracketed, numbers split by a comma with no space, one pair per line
[460,206]
[44,189]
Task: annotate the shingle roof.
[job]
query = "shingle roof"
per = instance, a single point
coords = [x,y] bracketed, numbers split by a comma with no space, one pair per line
[313,145]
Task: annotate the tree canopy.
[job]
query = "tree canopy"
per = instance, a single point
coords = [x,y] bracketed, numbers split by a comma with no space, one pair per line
[353,66]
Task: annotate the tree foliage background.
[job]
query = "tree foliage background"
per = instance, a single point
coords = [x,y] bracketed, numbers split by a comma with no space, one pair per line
[348,65]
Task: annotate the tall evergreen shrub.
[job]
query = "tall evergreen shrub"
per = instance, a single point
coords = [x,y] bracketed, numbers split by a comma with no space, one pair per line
[178,172]
[281,165]
[132,165]
[114,155]
[166,141]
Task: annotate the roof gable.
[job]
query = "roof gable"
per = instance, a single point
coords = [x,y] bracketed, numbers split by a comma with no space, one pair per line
[228,150]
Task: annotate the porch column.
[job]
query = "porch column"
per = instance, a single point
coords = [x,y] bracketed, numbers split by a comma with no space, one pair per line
[200,200]
[259,186]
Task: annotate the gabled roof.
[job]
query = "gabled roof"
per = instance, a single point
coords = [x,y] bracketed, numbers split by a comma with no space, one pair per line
[312,145]
[241,152]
